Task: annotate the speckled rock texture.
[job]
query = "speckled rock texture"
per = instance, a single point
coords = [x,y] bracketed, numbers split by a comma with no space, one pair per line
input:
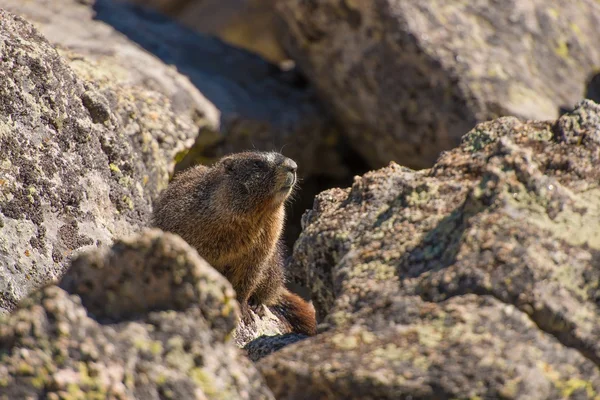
[264,345]
[80,160]
[234,99]
[145,319]
[477,278]
[408,78]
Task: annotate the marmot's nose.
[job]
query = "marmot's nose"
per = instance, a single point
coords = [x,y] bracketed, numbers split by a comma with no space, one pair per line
[289,165]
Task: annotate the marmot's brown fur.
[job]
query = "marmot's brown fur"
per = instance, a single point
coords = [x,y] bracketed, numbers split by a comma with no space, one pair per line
[233,214]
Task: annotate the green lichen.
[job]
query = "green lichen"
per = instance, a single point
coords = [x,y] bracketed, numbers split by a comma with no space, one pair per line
[153,346]
[180,156]
[345,341]
[205,381]
[478,139]
[429,336]
[567,387]
[25,369]
[562,49]
[114,168]
[574,227]
[127,200]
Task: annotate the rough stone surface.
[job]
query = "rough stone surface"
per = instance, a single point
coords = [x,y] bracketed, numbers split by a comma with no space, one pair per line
[477,278]
[79,161]
[262,346]
[408,78]
[145,319]
[237,100]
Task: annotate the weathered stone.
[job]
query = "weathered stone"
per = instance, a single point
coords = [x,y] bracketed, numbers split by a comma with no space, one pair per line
[79,162]
[164,330]
[238,100]
[476,278]
[262,346]
[408,78]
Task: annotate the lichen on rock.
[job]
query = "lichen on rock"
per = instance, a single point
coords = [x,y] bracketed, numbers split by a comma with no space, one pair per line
[475,278]
[79,162]
[165,330]
[407,79]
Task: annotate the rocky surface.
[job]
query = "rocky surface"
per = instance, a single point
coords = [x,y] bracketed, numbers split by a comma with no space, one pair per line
[145,319]
[80,161]
[477,278]
[407,79]
[235,99]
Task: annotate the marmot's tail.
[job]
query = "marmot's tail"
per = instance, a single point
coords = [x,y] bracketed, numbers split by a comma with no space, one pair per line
[297,313]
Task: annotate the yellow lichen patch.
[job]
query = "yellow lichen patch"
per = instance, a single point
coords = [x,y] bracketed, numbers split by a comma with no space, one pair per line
[344,341]
[392,353]
[562,49]
[114,168]
[567,387]
[153,346]
[429,336]
[205,381]
[522,100]
[573,227]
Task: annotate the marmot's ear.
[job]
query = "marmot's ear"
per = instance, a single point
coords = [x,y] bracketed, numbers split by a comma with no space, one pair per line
[228,164]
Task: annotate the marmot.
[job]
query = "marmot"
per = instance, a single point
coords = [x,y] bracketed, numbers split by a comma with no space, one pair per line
[233,214]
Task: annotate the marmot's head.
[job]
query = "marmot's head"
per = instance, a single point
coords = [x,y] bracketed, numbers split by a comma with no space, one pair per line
[256,180]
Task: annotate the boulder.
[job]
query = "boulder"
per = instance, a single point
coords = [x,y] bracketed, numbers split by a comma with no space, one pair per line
[80,162]
[259,105]
[145,319]
[407,79]
[477,278]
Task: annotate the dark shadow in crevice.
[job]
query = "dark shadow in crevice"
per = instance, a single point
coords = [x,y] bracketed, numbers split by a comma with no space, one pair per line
[592,92]
[233,79]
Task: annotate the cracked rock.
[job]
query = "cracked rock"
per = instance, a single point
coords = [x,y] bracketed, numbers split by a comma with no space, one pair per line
[475,278]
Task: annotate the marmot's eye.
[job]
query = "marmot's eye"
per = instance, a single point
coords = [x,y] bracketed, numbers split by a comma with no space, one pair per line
[258,164]
[228,164]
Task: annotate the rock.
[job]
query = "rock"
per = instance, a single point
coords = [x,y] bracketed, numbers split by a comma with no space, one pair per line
[145,319]
[80,161]
[266,325]
[264,345]
[237,100]
[407,79]
[475,278]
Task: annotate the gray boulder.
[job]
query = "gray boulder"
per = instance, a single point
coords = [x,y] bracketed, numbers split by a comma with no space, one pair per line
[477,278]
[407,79]
[145,319]
[80,162]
